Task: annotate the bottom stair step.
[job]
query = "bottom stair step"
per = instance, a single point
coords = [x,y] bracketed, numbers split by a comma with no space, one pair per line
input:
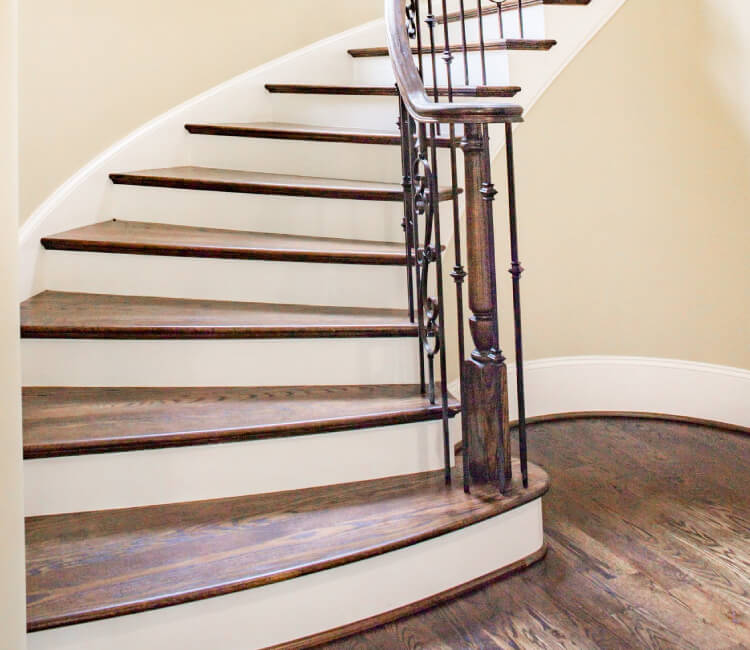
[88,566]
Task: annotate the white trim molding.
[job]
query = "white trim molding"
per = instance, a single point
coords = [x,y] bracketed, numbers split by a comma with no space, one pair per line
[633,384]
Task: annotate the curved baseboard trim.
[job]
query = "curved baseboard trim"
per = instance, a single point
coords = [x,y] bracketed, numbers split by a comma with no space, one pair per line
[364,625]
[643,386]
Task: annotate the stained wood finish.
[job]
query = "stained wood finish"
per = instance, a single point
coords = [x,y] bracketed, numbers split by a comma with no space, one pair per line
[230,180]
[63,421]
[390,91]
[282,131]
[508,5]
[648,527]
[140,238]
[56,314]
[509,44]
[87,566]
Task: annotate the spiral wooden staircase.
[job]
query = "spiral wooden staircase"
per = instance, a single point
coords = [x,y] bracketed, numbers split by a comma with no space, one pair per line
[230,470]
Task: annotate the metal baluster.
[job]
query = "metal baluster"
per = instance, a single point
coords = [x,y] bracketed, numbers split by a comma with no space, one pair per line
[431,20]
[481,42]
[406,183]
[462,14]
[516,270]
[520,17]
[417,148]
[418,22]
[442,348]
[499,5]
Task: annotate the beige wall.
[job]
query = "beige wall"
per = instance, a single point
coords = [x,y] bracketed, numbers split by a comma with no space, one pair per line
[12,601]
[633,168]
[634,192]
[93,70]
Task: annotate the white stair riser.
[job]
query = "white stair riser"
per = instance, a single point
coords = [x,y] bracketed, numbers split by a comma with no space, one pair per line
[320,601]
[346,285]
[378,69]
[255,362]
[367,112]
[305,158]
[533,26]
[175,475]
[319,217]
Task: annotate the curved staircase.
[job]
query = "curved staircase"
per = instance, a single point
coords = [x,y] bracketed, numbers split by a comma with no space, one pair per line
[226,441]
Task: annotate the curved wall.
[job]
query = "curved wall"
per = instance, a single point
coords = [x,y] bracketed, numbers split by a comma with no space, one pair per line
[634,192]
[87,81]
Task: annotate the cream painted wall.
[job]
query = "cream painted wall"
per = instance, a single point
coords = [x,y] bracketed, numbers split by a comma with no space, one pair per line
[94,70]
[634,192]
[12,601]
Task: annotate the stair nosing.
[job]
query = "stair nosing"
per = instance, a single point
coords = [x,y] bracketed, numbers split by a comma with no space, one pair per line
[503,45]
[201,437]
[144,179]
[390,91]
[59,242]
[257,330]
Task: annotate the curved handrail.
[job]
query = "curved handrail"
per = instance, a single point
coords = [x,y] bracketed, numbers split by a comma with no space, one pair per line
[412,89]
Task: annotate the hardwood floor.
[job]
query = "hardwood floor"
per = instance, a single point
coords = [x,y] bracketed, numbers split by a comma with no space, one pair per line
[648,525]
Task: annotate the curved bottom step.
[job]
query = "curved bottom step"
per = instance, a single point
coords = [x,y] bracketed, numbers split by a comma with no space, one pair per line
[374,551]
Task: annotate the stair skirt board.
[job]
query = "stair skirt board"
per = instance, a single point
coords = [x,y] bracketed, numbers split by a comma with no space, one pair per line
[311,283]
[179,474]
[321,601]
[254,362]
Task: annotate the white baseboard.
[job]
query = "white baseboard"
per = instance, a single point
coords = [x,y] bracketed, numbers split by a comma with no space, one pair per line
[634,384]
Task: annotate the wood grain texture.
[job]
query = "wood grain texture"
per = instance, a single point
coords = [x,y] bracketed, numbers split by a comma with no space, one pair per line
[507,5]
[56,314]
[284,131]
[88,566]
[648,527]
[508,44]
[231,180]
[390,91]
[142,238]
[62,421]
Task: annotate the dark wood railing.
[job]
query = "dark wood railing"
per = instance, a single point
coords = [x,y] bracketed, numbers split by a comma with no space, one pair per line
[424,122]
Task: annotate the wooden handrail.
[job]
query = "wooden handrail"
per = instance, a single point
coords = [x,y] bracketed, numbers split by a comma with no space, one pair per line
[412,89]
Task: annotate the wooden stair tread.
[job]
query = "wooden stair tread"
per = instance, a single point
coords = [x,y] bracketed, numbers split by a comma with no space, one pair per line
[87,566]
[286,131]
[55,314]
[508,5]
[62,421]
[137,237]
[508,44]
[231,180]
[390,91]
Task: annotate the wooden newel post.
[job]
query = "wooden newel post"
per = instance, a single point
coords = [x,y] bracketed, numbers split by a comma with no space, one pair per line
[484,389]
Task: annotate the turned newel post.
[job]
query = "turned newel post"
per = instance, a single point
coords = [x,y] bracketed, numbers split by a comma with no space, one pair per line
[484,390]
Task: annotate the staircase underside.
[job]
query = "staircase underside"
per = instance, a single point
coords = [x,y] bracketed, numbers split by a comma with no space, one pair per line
[88,566]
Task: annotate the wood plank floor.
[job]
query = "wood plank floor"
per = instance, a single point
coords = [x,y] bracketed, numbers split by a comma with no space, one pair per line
[648,524]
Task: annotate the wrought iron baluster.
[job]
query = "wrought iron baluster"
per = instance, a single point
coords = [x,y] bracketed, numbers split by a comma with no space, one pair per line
[418,150]
[482,55]
[516,270]
[499,6]
[407,222]
[520,17]
[462,15]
